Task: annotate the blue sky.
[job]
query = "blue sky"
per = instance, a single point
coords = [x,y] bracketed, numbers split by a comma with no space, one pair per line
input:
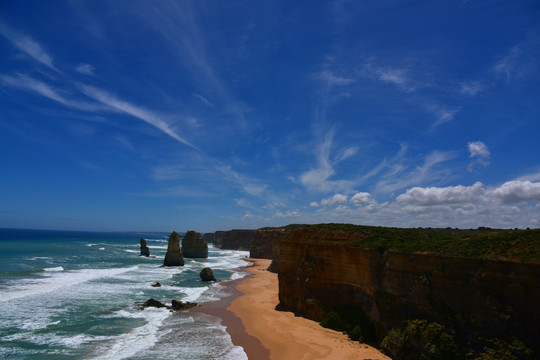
[210,115]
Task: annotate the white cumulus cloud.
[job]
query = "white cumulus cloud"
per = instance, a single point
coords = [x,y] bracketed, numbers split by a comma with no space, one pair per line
[431,196]
[362,198]
[479,153]
[337,199]
[516,191]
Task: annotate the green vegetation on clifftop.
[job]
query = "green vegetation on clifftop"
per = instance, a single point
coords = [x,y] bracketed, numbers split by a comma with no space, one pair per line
[485,243]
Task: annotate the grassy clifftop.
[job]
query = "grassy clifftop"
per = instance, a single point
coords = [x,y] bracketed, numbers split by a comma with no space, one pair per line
[485,243]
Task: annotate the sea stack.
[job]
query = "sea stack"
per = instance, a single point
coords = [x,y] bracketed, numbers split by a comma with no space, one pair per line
[145,251]
[194,246]
[174,256]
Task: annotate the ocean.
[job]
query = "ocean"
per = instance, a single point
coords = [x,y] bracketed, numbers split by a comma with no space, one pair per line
[72,295]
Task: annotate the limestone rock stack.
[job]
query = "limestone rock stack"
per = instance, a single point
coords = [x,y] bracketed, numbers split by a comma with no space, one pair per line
[194,246]
[174,256]
[145,251]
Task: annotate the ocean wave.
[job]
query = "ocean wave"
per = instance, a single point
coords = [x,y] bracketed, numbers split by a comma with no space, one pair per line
[140,338]
[53,269]
[53,339]
[56,280]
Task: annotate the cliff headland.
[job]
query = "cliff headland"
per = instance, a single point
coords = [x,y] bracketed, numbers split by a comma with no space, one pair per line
[417,293]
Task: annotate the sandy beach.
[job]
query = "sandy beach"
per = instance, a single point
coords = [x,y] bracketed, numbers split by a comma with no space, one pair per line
[283,335]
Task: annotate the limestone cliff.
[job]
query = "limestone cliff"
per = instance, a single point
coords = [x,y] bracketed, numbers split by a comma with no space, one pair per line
[194,246]
[473,298]
[218,238]
[208,237]
[265,244]
[174,256]
[233,239]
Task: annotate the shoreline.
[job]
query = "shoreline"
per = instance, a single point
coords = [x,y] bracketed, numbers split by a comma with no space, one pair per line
[265,333]
[235,328]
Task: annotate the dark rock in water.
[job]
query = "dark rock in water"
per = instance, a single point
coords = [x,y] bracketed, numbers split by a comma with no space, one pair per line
[174,256]
[152,303]
[157,284]
[207,274]
[179,305]
[176,305]
[145,251]
[194,246]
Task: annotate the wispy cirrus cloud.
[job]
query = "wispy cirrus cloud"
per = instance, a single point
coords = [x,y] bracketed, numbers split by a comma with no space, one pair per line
[204,100]
[28,83]
[403,177]
[138,112]
[471,88]
[395,75]
[332,79]
[509,65]
[27,45]
[318,178]
[85,69]
[177,23]
[443,114]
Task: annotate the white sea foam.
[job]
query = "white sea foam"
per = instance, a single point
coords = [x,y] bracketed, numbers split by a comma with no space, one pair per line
[101,248]
[157,240]
[138,339]
[238,275]
[44,305]
[56,268]
[204,338]
[53,339]
[57,280]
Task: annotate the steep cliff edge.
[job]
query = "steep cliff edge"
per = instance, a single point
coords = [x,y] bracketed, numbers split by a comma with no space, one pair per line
[265,244]
[233,239]
[475,287]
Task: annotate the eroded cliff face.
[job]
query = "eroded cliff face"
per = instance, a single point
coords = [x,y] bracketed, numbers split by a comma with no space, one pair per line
[174,256]
[265,244]
[194,246]
[233,239]
[322,270]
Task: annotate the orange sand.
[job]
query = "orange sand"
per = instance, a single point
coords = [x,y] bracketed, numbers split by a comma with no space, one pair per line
[286,336]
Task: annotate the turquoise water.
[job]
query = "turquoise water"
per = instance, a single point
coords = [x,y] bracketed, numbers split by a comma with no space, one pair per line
[71,295]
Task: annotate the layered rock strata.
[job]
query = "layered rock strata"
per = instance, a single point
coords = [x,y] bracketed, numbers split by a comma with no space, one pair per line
[265,244]
[194,246]
[174,256]
[322,270]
